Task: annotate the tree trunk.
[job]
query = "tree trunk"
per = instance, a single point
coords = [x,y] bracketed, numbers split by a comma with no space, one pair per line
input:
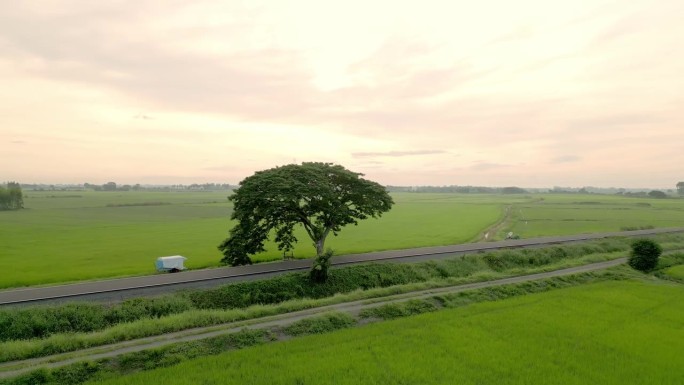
[320,243]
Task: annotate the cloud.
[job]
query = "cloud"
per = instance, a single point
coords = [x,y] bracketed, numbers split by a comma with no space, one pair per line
[485,166]
[396,153]
[614,120]
[143,117]
[532,84]
[220,168]
[19,142]
[566,159]
[111,49]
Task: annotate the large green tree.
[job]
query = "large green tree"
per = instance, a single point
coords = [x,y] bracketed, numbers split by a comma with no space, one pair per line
[680,188]
[321,197]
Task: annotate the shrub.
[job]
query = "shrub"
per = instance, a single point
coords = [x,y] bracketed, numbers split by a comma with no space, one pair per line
[644,255]
[319,270]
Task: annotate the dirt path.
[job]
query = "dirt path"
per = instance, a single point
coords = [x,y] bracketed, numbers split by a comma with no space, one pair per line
[489,234]
[15,368]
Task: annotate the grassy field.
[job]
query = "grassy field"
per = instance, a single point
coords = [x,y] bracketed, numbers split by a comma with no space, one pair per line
[75,235]
[575,214]
[69,236]
[612,332]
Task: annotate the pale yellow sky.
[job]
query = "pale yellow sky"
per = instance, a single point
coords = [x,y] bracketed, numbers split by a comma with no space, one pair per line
[527,93]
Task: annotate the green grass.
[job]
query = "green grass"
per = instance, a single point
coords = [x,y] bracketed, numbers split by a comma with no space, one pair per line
[108,234]
[327,322]
[676,272]
[321,324]
[78,235]
[614,332]
[575,214]
[59,326]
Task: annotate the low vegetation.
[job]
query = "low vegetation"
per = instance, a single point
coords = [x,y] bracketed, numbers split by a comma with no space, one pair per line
[321,324]
[248,300]
[173,354]
[43,321]
[515,339]
[676,272]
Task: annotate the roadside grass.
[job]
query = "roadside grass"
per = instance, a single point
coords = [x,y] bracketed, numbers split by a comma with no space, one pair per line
[607,332]
[172,354]
[42,321]
[324,323]
[676,272]
[471,268]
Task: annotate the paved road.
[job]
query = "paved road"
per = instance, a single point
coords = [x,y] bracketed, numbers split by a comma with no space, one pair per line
[15,368]
[119,289]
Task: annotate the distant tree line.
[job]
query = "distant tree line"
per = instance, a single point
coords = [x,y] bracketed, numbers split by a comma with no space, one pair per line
[458,189]
[112,186]
[11,197]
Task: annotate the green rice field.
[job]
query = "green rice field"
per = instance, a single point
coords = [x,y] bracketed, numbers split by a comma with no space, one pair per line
[576,214]
[614,332]
[70,236]
[65,236]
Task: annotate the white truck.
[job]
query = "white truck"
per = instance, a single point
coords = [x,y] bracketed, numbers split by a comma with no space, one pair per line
[171,264]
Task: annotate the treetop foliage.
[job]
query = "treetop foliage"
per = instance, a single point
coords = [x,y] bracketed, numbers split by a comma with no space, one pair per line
[657,194]
[322,197]
[11,197]
[645,254]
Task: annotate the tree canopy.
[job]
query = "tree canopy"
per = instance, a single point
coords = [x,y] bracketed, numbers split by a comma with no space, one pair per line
[321,197]
[645,254]
[657,194]
[680,188]
[11,197]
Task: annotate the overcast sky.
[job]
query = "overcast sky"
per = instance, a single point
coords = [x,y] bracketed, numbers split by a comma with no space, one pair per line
[496,93]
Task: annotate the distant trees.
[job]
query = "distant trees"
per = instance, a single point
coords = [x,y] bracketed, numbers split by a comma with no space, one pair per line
[458,189]
[11,197]
[113,186]
[657,194]
[680,188]
[645,254]
[513,190]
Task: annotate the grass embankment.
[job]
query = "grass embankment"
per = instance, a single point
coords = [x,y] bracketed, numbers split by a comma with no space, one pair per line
[109,234]
[173,354]
[604,333]
[248,300]
[594,333]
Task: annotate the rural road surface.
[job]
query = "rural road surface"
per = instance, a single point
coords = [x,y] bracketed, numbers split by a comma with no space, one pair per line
[15,368]
[122,288]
